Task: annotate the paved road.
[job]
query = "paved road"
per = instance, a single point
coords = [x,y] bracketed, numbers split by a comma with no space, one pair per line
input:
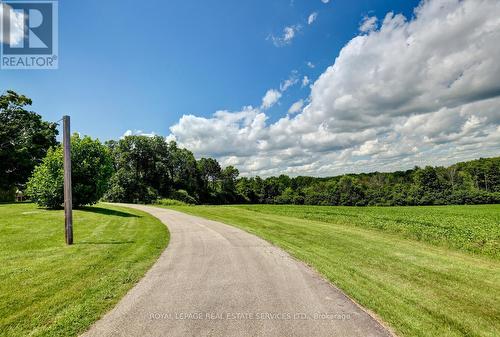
[216,280]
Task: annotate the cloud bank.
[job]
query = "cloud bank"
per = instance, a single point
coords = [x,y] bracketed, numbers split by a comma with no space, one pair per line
[410,92]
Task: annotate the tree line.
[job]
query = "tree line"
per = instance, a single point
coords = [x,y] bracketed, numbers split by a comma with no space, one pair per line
[472,182]
[140,169]
[24,141]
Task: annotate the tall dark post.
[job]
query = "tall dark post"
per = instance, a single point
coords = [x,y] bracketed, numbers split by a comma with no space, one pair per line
[68,196]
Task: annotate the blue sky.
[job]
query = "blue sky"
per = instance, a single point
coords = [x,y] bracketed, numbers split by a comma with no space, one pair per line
[140,65]
[387,91]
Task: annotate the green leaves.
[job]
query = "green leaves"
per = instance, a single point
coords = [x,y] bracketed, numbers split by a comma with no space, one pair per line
[24,140]
[91,170]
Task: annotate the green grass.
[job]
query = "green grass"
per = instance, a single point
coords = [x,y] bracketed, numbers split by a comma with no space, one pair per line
[432,288]
[170,202]
[50,289]
[469,228]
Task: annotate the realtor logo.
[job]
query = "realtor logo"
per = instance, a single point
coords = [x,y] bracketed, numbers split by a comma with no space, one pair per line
[29,34]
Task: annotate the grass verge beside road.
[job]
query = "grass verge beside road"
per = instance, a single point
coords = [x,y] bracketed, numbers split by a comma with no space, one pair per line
[50,289]
[419,289]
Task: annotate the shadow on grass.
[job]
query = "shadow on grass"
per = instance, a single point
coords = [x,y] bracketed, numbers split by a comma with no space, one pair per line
[106,211]
[104,242]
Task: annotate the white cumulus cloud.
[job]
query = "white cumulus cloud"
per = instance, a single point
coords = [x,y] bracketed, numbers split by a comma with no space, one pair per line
[305,81]
[290,81]
[368,24]
[296,107]
[289,33]
[312,17]
[271,97]
[138,133]
[408,92]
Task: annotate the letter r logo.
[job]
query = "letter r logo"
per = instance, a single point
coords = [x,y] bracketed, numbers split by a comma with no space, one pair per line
[28,28]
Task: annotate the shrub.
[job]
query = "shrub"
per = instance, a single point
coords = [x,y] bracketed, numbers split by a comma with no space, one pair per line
[183,196]
[91,170]
[170,202]
[46,185]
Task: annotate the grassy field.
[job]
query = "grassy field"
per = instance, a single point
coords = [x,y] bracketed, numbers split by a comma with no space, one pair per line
[426,271]
[50,289]
[469,228]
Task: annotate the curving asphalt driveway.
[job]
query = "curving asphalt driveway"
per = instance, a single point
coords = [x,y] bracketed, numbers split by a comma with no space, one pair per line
[217,280]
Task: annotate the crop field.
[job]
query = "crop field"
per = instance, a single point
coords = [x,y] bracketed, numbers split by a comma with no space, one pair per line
[425,271]
[474,228]
[50,289]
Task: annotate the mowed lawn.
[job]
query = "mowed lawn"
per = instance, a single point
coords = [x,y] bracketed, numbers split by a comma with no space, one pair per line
[425,271]
[50,289]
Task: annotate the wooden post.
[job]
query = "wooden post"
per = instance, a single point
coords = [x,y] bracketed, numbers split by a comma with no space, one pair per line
[68,196]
